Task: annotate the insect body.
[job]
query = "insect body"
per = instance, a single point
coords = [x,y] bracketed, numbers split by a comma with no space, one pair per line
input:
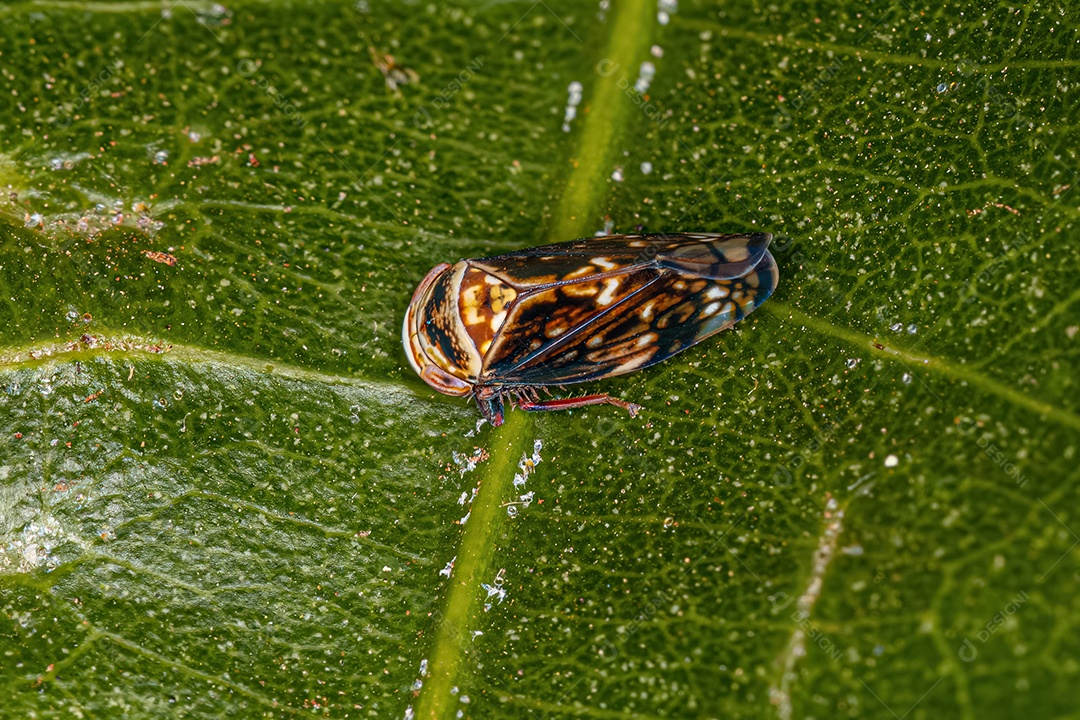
[395,74]
[501,327]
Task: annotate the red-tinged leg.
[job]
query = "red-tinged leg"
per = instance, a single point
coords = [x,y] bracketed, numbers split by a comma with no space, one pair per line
[490,403]
[571,403]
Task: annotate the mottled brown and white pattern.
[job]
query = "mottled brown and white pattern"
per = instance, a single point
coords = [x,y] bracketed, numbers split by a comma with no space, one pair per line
[578,311]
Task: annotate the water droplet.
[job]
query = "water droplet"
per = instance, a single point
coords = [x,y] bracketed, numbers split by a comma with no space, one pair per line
[574,91]
[942,87]
[645,76]
[666,9]
[852,363]
[646,168]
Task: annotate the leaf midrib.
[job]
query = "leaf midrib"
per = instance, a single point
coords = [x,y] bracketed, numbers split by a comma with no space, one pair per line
[607,115]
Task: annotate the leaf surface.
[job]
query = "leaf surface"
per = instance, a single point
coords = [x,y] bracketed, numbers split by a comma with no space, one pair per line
[224,491]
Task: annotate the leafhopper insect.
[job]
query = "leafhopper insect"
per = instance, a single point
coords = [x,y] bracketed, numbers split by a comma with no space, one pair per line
[501,328]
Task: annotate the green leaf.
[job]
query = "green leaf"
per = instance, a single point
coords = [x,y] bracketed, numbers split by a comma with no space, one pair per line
[224,491]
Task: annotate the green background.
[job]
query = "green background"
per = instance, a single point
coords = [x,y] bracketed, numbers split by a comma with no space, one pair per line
[223,490]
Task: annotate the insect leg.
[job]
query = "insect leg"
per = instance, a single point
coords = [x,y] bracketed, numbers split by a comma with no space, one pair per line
[490,402]
[571,403]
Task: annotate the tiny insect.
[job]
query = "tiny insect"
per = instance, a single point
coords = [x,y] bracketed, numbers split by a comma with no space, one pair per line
[500,328]
[396,75]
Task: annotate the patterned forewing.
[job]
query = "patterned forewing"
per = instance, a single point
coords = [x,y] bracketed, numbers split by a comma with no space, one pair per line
[544,319]
[653,322]
[708,255]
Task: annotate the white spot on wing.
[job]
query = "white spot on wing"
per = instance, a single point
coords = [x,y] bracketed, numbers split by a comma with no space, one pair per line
[603,263]
[716,322]
[716,292]
[580,272]
[631,364]
[610,286]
